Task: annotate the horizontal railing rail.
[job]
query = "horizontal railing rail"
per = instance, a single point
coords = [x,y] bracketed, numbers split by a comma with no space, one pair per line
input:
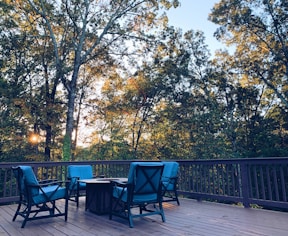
[259,181]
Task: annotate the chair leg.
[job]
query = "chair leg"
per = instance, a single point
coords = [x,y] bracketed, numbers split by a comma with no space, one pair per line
[26,216]
[173,194]
[66,208]
[53,207]
[17,211]
[130,218]
[77,198]
[162,212]
[176,196]
[111,205]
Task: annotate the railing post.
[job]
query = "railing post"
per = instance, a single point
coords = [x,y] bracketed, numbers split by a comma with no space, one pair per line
[245,183]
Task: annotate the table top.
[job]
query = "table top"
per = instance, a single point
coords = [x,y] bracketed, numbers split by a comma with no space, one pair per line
[102,180]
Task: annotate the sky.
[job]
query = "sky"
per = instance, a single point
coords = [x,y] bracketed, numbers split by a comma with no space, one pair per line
[193,14]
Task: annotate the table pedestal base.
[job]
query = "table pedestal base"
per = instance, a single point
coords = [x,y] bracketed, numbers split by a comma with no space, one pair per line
[98,198]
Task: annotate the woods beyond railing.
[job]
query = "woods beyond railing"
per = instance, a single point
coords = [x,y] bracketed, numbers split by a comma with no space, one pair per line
[254,181]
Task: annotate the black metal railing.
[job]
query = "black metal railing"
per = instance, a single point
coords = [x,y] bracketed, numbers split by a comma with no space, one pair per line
[258,181]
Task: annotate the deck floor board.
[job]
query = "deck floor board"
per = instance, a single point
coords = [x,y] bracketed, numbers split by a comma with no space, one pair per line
[190,218]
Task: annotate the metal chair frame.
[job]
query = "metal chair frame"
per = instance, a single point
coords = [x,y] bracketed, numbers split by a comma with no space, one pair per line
[39,197]
[145,181]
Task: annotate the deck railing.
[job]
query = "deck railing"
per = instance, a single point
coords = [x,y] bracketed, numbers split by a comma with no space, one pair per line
[259,181]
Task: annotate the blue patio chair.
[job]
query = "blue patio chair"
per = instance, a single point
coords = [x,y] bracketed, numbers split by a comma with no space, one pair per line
[169,181]
[142,189]
[38,196]
[76,188]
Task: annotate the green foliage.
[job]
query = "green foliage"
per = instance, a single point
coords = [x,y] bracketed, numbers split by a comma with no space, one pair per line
[144,89]
[259,30]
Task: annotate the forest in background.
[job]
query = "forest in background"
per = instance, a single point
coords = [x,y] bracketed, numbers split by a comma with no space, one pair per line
[116,76]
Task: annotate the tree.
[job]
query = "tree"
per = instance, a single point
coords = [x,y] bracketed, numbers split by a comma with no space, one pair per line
[258,29]
[86,29]
[156,105]
[27,66]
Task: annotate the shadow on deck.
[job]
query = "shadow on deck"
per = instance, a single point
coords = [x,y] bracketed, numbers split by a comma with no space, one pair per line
[190,218]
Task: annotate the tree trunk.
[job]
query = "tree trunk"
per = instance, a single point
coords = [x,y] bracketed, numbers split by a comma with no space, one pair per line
[48,143]
[67,145]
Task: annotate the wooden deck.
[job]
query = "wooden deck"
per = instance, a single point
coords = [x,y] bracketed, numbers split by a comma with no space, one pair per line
[190,218]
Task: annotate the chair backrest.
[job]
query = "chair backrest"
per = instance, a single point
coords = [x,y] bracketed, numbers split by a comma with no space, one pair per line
[170,170]
[75,172]
[25,177]
[80,171]
[145,178]
[170,174]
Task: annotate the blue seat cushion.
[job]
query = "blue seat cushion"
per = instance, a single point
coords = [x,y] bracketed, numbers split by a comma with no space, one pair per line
[117,191]
[50,193]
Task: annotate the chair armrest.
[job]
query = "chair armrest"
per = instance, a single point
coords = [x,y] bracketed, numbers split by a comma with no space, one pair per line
[33,185]
[119,183]
[53,182]
[44,181]
[99,176]
[40,185]
[168,179]
[74,177]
